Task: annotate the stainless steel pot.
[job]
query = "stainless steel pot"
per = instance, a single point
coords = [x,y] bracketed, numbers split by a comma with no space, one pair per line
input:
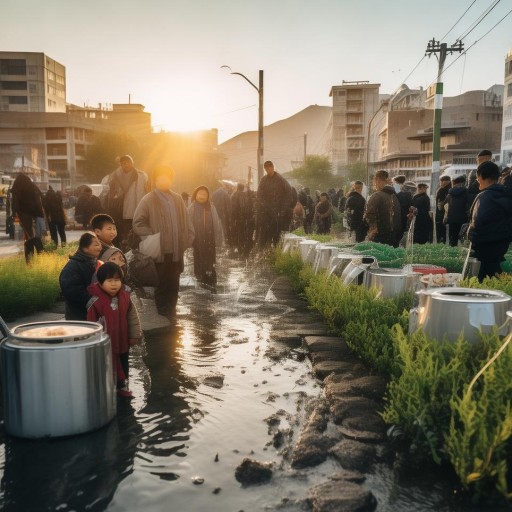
[338,263]
[307,252]
[323,255]
[291,242]
[57,385]
[355,270]
[446,312]
[392,282]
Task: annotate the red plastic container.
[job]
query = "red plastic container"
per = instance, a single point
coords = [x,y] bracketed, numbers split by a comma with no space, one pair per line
[428,269]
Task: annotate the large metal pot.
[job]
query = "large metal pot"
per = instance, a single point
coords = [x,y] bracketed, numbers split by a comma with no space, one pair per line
[59,382]
[446,312]
[291,242]
[323,255]
[355,270]
[307,250]
[338,263]
[392,282]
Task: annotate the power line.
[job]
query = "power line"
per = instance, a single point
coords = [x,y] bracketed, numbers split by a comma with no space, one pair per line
[456,23]
[478,20]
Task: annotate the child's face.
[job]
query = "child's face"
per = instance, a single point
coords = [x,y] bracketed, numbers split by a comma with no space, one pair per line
[107,233]
[118,259]
[93,249]
[112,285]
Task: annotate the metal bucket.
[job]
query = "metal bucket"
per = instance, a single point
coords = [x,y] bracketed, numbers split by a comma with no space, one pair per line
[392,282]
[306,249]
[323,255]
[57,384]
[355,270]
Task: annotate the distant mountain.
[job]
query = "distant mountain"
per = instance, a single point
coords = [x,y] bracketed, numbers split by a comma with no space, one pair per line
[283,143]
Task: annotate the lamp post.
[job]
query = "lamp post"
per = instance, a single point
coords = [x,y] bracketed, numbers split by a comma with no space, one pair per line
[259,90]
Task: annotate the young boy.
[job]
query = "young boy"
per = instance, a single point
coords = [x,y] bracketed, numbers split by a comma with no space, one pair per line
[111,306]
[105,229]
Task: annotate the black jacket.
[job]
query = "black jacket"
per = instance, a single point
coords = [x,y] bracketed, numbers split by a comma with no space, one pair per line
[405,200]
[74,279]
[354,210]
[383,213]
[423,222]
[441,194]
[491,219]
[458,205]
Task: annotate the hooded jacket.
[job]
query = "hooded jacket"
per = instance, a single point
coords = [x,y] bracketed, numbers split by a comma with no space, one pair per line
[458,204]
[74,279]
[383,213]
[491,219]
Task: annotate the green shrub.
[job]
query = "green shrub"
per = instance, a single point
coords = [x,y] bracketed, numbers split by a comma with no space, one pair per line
[26,289]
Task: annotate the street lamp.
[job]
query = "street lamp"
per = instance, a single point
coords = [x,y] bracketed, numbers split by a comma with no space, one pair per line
[259,90]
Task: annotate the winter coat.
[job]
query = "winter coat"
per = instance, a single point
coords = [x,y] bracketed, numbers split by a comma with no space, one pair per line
[491,219]
[354,210]
[26,197]
[423,222]
[118,315]
[405,199]
[383,216]
[206,223]
[275,199]
[458,204]
[441,195]
[74,279]
[86,207]
[150,217]
[53,207]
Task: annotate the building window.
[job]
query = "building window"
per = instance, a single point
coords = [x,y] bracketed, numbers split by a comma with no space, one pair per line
[508,133]
[13,86]
[32,88]
[56,149]
[18,100]
[55,133]
[13,67]
[79,149]
[509,90]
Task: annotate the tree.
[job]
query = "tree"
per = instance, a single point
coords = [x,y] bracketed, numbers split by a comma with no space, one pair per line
[356,171]
[316,174]
[101,156]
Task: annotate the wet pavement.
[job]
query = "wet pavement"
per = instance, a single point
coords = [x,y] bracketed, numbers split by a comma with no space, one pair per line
[231,380]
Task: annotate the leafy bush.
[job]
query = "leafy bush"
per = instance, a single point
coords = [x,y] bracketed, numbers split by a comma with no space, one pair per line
[27,289]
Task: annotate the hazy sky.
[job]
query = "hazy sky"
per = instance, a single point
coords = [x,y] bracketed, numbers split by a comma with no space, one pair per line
[167,54]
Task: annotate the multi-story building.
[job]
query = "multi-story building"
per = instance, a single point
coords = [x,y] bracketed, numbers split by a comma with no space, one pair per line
[401,138]
[506,136]
[353,106]
[31,82]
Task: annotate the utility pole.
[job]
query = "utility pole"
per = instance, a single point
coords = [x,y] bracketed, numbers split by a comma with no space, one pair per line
[440,50]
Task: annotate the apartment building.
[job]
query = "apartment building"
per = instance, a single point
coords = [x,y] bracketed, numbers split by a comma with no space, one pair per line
[31,82]
[353,106]
[506,138]
[401,136]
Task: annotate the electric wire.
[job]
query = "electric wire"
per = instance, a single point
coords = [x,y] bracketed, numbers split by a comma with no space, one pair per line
[456,23]
[478,21]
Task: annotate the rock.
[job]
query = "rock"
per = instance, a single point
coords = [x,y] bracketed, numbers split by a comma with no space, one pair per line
[214,381]
[368,421]
[323,369]
[342,408]
[361,435]
[354,454]
[341,494]
[310,450]
[370,386]
[216,490]
[326,344]
[326,355]
[253,472]
[197,480]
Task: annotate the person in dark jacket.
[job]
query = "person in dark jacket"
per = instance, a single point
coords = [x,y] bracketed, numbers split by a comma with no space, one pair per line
[383,214]
[309,208]
[27,206]
[354,211]
[441,194]
[77,275]
[404,198]
[423,222]
[56,217]
[209,237]
[323,214]
[221,199]
[473,188]
[490,230]
[241,220]
[274,206]
[457,205]
[87,206]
